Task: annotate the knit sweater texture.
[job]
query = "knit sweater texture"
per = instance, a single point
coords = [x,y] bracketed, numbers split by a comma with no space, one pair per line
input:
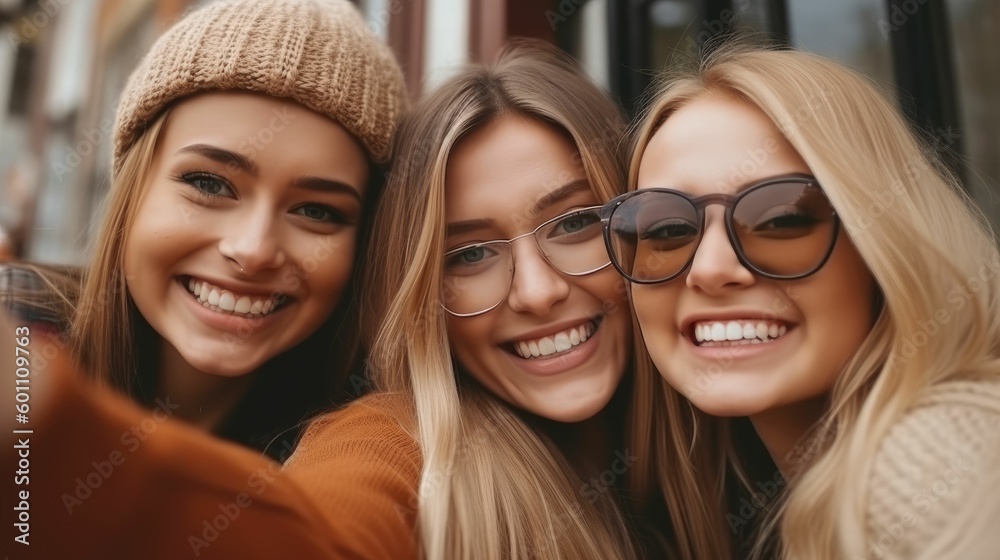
[935,483]
[111,480]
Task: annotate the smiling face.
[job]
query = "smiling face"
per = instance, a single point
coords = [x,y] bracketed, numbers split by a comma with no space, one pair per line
[503,180]
[806,329]
[244,238]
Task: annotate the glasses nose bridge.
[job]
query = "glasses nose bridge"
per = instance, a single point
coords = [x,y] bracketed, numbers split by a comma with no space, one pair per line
[726,201]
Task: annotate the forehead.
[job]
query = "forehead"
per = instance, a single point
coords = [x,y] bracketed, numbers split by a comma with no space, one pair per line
[716,143]
[500,170]
[274,132]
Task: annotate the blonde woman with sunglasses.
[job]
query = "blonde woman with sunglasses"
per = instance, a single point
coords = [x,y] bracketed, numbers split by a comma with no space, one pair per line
[796,257]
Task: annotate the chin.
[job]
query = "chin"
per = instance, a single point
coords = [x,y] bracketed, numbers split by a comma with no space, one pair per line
[573,412]
[221,367]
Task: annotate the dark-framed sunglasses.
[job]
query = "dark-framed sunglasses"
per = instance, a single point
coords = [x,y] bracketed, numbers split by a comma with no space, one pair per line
[783,228]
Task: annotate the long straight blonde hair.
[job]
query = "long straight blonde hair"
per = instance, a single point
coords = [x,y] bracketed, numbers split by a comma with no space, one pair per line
[491,487]
[920,238]
[112,342]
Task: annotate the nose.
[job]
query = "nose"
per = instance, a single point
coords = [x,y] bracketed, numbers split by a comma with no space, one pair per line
[715,267]
[536,286]
[253,242]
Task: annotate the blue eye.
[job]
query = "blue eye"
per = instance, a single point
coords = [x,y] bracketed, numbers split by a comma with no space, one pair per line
[470,256]
[208,184]
[578,222]
[471,260]
[321,213]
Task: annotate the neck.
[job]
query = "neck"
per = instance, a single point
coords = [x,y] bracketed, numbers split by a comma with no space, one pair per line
[593,446]
[203,399]
[783,432]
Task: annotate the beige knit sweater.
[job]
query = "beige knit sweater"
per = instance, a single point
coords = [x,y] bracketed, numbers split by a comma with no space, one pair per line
[935,485]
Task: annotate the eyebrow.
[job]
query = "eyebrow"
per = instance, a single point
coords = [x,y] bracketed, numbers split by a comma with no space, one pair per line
[319,184]
[222,156]
[247,165]
[467,226]
[556,196]
[559,195]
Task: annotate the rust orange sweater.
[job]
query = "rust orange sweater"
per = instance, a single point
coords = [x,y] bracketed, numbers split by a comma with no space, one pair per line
[111,480]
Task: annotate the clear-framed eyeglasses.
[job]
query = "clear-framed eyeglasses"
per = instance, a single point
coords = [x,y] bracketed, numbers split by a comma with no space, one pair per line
[478,276]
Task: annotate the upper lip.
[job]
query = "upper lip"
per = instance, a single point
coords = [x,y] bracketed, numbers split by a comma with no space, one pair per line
[551,329]
[238,287]
[687,324]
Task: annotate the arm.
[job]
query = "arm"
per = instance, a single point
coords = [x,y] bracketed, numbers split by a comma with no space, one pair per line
[367,449]
[110,480]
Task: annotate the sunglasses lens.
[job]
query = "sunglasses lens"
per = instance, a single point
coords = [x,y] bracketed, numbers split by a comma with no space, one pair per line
[653,235]
[785,229]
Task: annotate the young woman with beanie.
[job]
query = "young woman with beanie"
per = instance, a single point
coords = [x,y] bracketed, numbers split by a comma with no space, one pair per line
[244,172]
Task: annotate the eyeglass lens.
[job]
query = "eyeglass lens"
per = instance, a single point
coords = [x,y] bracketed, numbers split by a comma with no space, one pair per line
[478,277]
[781,230]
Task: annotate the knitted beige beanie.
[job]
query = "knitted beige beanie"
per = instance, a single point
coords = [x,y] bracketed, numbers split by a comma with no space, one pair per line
[318,53]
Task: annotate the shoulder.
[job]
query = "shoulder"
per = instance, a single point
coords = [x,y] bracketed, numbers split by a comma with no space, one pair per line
[362,466]
[378,428]
[935,470]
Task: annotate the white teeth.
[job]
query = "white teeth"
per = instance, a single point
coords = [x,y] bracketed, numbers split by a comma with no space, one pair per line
[243,305]
[718,332]
[553,344]
[225,301]
[733,331]
[730,331]
[547,346]
[562,342]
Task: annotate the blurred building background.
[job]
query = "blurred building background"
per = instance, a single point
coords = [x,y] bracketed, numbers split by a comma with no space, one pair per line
[64,62]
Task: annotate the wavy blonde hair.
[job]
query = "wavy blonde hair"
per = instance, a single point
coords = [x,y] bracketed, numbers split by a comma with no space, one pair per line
[491,487]
[921,238]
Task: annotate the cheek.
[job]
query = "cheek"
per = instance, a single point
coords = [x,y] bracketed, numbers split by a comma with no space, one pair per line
[468,338]
[327,264]
[656,310]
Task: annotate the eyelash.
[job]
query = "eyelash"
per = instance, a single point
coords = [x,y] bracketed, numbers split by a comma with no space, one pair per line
[191,178]
[336,216]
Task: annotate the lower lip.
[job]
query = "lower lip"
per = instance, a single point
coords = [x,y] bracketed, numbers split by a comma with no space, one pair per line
[225,321]
[740,352]
[574,357]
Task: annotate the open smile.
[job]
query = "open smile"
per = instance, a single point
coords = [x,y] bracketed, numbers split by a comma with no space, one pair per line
[709,334]
[223,301]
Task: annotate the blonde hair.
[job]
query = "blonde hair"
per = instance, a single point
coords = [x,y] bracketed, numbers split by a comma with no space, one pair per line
[491,487]
[920,238]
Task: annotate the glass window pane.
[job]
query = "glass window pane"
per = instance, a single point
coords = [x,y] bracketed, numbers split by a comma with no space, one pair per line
[849,30]
[975,36]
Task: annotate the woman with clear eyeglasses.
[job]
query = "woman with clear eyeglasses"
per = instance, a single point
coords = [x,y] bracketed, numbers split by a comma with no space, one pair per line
[500,353]
[797,259]
[494,309]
